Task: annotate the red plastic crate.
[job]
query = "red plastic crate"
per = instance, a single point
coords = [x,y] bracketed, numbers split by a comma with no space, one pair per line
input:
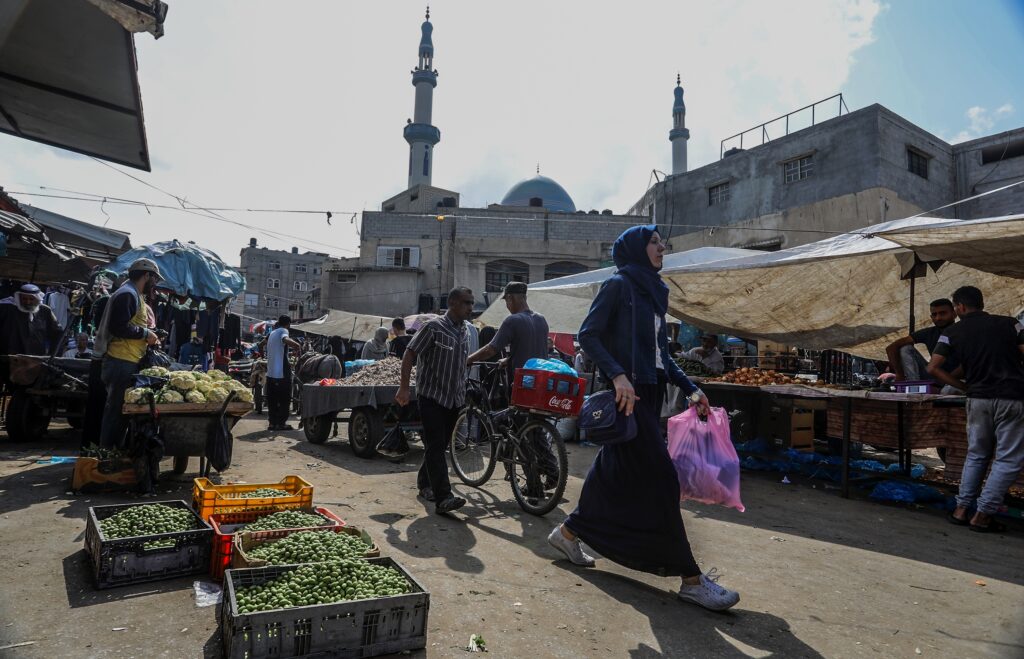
[226,524]
[547,392]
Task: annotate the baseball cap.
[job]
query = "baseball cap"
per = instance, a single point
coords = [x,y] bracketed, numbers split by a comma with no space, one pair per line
[146,265]
[514,288]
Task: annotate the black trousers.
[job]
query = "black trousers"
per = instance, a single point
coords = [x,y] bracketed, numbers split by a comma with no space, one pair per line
[279,400]
[438,426]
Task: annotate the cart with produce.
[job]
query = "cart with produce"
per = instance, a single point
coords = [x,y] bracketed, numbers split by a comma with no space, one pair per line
[41,389]
[188,407]
[366,400]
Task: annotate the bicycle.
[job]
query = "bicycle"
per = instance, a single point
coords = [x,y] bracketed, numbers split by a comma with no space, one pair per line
[517,438]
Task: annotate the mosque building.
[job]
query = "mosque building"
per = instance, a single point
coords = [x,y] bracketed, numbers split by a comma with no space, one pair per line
[422,242]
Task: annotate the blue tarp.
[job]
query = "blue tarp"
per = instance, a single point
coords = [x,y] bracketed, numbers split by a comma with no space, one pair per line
[187,269]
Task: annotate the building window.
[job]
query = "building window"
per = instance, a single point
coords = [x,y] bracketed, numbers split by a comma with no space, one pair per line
[275,265]
[270,302]
[799,169]
[273,283]
[1002,151]
[563,269]
[299,286]
[316,270]
[917,162]
[718,194]
[499,273]
[300,267]
[345,278]
[398,257]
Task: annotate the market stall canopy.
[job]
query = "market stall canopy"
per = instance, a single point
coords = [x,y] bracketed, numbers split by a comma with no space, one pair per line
[843,292]
[349,326]
[68,74]
[28,254]
[97,243]
[187,269]
[564,302]
[994,245]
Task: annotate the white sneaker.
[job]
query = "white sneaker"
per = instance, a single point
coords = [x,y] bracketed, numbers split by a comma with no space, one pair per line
[709,594]
[571,548]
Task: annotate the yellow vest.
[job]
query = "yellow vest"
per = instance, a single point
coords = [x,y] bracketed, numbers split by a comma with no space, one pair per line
[130,350]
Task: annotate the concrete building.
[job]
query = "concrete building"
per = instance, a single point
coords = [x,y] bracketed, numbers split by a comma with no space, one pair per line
[280,282]
[422,242]
[851,171]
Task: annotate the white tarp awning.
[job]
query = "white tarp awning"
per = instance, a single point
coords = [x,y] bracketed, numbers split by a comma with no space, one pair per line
[564,302]
[994,245]
[843,292]
[347,325]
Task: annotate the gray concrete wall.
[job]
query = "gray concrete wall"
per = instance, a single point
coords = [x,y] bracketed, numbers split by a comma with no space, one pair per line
[255,266]
[975,177]
[376,292]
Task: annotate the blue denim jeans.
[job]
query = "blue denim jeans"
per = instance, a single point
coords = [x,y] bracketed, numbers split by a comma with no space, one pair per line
[117,377]
[995,434]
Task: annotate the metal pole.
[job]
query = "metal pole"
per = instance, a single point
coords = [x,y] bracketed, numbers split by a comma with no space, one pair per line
[913,280]
[440,262]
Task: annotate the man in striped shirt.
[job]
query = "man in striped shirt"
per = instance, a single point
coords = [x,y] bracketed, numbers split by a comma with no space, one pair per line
[440,350]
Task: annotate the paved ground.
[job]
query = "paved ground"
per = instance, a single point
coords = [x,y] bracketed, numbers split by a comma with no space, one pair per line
[820,576]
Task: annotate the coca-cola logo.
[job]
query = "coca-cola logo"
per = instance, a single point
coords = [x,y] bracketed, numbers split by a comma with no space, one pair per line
[560,403]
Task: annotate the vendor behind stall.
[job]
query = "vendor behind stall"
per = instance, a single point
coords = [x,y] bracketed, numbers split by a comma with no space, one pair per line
[707,354]
[121,342]
[194,353]
[906,362]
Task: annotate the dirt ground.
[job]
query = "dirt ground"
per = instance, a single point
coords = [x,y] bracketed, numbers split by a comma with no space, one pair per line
[820,576]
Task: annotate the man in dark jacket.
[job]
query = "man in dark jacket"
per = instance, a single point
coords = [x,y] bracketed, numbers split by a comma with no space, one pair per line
[27,326]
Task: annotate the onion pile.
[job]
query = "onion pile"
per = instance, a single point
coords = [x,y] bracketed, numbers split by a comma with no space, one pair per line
[756,377]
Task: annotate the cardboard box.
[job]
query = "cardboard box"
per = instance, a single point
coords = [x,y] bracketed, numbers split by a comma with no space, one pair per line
[787,427]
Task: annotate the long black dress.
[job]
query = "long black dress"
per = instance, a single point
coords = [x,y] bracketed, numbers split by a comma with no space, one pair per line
[629,508]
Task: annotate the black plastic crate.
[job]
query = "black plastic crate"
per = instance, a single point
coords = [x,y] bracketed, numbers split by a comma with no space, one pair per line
[355,628]
[126,560]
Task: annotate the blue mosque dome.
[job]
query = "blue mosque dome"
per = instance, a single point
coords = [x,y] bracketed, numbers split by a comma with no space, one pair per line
[552,195]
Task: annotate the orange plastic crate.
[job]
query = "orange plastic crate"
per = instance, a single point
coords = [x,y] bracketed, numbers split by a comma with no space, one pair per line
[224,529]
[209,499]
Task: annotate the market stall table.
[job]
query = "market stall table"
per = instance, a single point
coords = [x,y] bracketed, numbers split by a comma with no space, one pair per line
[371,411]
[870,416]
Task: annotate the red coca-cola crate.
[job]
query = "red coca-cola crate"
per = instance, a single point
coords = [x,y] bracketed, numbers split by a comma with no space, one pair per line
[548,392]
[225,525]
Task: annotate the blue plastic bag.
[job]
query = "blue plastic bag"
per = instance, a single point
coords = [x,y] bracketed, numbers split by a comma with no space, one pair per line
[552,365]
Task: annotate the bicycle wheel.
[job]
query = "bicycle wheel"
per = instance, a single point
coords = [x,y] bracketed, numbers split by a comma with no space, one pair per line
[540,468]
[472,449]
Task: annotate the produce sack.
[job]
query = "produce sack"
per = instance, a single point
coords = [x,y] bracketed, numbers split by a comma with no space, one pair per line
[394,444]
[704,458]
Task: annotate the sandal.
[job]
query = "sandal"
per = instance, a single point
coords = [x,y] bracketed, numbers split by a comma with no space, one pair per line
[957,521]
[992,527]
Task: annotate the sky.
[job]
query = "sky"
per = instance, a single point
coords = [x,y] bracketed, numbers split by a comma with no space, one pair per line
[265,104]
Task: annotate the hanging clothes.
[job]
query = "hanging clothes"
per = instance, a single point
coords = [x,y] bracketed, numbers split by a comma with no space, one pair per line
[231,335]
[59,303]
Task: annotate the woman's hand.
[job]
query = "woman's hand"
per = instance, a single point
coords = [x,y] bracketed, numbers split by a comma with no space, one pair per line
[625,396]
[703,406]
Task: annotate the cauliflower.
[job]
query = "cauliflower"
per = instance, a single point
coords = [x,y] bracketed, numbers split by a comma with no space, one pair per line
[195,397]
[168,395]
[232,385]
[245,395]
[216,395]
[182,381]
[216,375]
[199,376]
[155,371]
[136,396]
[204,387]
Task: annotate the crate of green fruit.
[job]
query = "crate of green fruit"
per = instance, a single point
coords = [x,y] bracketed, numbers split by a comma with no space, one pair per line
[209,498]
[349,608]
[129,543]
[287,547]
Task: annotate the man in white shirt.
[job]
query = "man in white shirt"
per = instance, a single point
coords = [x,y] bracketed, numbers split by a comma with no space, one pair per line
[81,349]
[707,354]
[279,375]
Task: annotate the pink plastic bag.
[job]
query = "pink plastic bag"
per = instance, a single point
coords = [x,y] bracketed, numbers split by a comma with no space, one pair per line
[704,458]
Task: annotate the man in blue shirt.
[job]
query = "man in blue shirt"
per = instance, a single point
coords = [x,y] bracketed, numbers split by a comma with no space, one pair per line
[194,353]
[279,375]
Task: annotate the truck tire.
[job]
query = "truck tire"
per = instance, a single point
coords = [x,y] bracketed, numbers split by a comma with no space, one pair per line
[180,464]
[365,430]
[317,428]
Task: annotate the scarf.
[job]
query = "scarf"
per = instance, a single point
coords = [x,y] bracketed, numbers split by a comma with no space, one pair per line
[630,255]
[377,346]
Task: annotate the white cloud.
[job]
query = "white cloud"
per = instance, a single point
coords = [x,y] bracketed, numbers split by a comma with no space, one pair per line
[980,121]
[254,106]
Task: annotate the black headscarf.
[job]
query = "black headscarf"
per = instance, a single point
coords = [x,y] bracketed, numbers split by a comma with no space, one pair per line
[630,255]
